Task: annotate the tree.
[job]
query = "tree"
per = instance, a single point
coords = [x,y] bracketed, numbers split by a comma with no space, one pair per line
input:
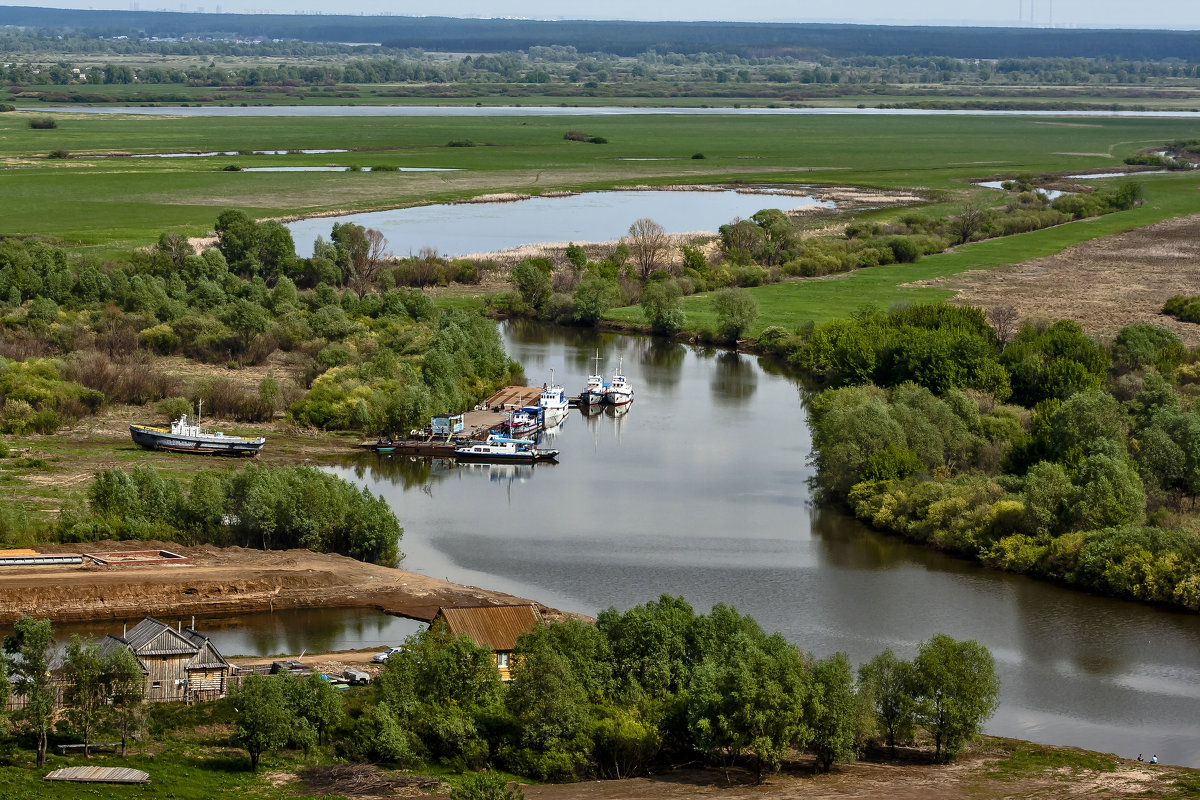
[32,642]
[1003,320]
[890,683]
[532,283]
[648,245]
[749,699]
[264,720]
[969,221]
[958,689]
[736,312]
[85,694]
[835,718]
[662,303]
[593,297]
[127,684]
[316,701]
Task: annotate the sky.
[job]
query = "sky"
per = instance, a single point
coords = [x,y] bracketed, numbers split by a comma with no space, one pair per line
[1059,13]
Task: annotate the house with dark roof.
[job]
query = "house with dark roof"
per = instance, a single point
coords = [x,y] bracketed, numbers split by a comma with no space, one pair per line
[179,663]
[493,627]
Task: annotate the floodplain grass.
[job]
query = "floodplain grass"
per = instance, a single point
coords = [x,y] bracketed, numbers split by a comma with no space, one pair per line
[792,303]
[106,204]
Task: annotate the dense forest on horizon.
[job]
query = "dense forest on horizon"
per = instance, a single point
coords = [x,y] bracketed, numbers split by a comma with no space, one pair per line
[624,38]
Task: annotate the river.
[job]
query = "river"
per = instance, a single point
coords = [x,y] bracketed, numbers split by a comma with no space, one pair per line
[701,491]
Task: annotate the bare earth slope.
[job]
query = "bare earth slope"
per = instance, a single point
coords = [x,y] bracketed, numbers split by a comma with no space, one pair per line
[1104,284]
[223,580]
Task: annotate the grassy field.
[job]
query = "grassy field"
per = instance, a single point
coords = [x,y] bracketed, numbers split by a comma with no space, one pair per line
[90,202]
[794,302]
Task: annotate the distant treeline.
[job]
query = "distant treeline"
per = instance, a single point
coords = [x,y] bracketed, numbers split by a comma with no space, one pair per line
[624,37]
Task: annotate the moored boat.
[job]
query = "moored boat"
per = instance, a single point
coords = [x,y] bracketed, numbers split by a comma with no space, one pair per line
[188,436]
[554,402]
[593,392]
[523,421]
[503,449]
[620,390]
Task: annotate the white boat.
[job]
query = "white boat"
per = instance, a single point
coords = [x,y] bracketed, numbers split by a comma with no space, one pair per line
[554,402]
[620,391]
[502,449]
[189,436]
[523,421]
[593,392]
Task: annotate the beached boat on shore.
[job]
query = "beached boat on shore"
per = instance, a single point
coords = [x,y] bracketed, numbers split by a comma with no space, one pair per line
[502,449]
[188,436]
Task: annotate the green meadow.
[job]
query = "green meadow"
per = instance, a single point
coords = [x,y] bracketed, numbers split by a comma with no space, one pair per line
[89,202]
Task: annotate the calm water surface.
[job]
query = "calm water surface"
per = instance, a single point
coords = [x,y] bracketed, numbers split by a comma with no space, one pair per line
[700,490]
[457,229]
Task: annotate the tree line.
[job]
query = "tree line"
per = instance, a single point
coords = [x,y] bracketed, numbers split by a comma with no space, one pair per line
[1035,448]
[657,684]
[81,333]
[270,508]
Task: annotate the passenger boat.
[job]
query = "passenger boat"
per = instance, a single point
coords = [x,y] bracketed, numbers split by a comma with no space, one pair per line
[554,402]
[502,449]
[593,392]
[188,436]
[620,391]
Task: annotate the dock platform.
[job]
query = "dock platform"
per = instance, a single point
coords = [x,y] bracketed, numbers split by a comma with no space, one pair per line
[477,423]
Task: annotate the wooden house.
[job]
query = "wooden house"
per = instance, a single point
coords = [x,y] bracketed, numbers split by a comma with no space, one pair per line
[493,627]
[180,664]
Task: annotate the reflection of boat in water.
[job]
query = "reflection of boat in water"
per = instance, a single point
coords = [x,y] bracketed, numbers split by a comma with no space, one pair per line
[593,392]
[501,473]
[187,436]
[551,431]
[500,449]
[620,390]
[554,402]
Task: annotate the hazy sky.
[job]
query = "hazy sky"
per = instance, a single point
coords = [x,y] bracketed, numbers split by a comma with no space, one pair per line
[1073,13]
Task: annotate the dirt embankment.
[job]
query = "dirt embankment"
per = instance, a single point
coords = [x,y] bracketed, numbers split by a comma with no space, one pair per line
[224,580]
[1104,284]
[979,775]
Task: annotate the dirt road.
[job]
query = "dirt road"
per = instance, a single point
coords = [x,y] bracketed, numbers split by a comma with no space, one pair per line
[224,580]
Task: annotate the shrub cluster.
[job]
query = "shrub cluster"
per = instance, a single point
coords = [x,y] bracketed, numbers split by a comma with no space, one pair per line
[1061,484]
[272,508]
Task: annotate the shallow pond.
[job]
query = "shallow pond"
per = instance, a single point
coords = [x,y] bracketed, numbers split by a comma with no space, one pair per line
[701,490]
[457,229]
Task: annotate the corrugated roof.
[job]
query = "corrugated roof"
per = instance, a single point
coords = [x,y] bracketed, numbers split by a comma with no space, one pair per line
[153,638]
[494,627]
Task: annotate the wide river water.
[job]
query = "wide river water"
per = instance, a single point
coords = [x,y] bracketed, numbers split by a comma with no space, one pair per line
[701,490]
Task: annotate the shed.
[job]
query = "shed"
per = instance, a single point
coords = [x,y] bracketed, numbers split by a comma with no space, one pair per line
[179,663]
[447,424]
[493,627]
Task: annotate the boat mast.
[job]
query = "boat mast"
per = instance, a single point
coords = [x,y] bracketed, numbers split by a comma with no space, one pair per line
[199,413]
[596,358]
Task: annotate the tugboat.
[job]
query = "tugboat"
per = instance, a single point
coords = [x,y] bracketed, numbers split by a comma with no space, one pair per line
[503,450]
[593,392]
[620,391]
[188,436]
[553,402]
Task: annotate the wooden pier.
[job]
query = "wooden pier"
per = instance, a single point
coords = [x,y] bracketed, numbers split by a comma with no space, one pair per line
[477,423]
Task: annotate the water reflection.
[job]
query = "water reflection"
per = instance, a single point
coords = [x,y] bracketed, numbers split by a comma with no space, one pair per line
[734,379]
[289,632]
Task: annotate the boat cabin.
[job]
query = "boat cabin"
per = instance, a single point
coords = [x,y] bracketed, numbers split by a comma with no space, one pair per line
[493,627]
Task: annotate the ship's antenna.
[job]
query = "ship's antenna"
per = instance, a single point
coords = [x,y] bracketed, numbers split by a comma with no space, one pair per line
[199,413]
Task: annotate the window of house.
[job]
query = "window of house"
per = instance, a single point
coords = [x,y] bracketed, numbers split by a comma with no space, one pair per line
[502,660]
[156,685]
